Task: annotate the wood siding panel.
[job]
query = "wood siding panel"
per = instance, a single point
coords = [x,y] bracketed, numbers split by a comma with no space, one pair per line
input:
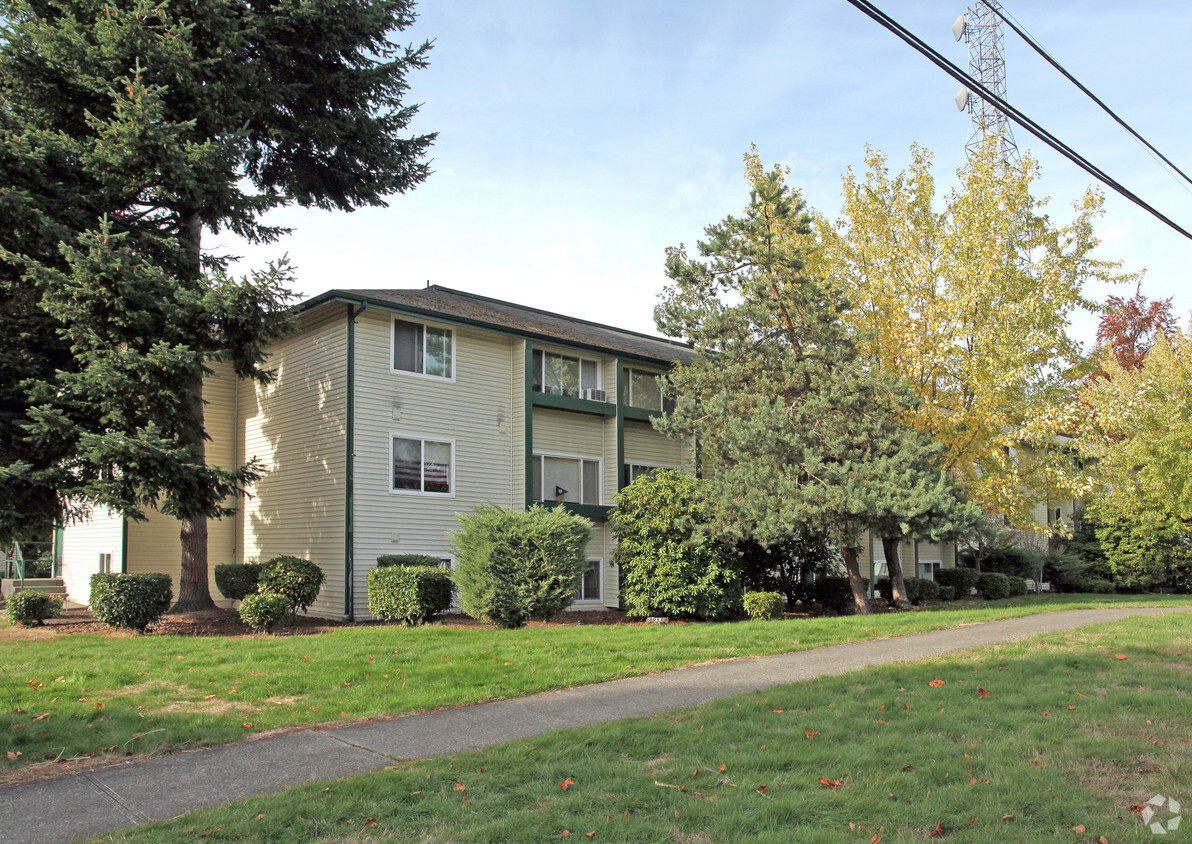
[82,543]
[645,445]
[297,428]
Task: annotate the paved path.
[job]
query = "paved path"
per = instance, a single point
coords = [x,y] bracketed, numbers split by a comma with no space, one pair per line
[86,804]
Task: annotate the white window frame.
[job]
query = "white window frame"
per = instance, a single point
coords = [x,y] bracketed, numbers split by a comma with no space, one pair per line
[406,435]
[642,464]
[538,455]
[540,376]
[629,370]
[396,318]
[599,599]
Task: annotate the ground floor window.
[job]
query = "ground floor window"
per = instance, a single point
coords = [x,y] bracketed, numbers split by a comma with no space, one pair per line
[422,465]
[590,582]
[575,480]
[926,569]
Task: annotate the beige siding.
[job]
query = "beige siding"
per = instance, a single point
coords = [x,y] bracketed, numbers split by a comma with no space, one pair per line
[297,428]
[82,543]
[645,445]
[516,424]
[569,434]
[475,410]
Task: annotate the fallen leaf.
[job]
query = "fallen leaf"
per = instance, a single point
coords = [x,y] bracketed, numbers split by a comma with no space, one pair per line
[982,693]
[262,815]
[1120,656]
[811,733]
[1078,828]
[12,757]
[567,783]
[938,832]
[565,833]
[875,839]
[936,683]
[880,721]
[721,768]
[591,834]
[778,711]
[832,784]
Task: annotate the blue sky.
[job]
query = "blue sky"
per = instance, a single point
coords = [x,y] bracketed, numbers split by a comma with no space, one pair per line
[578,140]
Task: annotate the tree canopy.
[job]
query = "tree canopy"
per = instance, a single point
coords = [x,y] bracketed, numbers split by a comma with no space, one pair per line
[127,129]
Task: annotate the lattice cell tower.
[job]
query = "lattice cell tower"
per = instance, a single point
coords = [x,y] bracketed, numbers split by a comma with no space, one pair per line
[981,29]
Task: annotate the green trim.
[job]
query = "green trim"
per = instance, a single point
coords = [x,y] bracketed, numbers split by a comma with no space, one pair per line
[437,316]
[529,424]
[588,511]
[350,466]
[639,413]
[59,537]
[600,408]
[620,396]
[916,558]
[872,579]
[123,544]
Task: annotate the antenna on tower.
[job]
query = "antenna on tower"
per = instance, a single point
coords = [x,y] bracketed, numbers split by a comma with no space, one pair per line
[981,29]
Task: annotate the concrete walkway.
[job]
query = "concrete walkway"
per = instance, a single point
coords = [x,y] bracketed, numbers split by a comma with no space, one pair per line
[85,804]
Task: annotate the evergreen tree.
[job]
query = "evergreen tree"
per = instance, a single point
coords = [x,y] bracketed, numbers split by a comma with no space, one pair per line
[127,129]
[794,429]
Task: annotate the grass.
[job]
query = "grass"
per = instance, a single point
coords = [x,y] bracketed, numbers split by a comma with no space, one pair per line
[1050,739]
[84,699]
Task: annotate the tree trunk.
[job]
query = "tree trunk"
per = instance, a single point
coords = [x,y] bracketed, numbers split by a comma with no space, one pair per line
[860,599]
[194,594]
[899,597]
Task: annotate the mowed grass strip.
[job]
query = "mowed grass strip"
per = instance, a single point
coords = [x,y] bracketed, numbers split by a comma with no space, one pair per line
[84,699]
[1050,739]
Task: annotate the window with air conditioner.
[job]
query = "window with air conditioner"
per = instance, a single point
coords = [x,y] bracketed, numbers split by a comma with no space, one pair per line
[566,375]
[570,480]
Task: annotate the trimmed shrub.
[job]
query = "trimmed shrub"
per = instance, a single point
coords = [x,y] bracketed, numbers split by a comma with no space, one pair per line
[404,592]
[297,579]
[134,601]
[236,581]
[408,560]
[30,609]
[1017,587]
[759,605]
[834,593]
[918,589]
[513,566]
[264,610]
[669,565]
[963,580]
[993,585]
[947,592]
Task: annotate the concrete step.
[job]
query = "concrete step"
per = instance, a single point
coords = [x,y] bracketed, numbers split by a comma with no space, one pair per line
[48,585]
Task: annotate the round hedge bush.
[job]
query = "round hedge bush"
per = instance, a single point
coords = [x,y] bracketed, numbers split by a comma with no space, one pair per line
[993,586]
[133,601]
[764,605]
[413,594]
[30,609]
[297,579]
[236,581]
[264,610]
[961,579]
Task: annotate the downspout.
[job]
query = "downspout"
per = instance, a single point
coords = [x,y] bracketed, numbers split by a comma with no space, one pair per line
[350,466]
[872,579]
[620,388]
[528,411]
[123,544]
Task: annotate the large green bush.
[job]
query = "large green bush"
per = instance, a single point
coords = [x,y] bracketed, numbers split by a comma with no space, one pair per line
[669,565]
[264,610]
[789,566]
[235,581]
[993,585]
[762,605]
[962,579]
[407,560]
[918,589]
[513,566]
[30,609]
[833,592]
[409,593]
[297,579]
[134,601]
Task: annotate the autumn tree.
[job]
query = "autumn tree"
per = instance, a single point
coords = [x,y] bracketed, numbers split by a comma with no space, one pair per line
[128,128]
[968,296]
[1140,441]
[1130,327]
[795,428]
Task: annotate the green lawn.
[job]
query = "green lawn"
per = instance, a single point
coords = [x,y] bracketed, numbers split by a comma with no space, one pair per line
[1050,739]
[90,697]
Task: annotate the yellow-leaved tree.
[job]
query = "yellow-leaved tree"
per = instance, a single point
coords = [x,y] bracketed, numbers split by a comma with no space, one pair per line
[969,297]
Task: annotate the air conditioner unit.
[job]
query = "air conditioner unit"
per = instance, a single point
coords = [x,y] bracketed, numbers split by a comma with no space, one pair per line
[592,394]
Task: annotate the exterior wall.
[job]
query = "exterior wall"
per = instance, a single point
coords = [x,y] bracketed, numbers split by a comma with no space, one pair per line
[476,410]
[297,428]
[645,445]
[82,543]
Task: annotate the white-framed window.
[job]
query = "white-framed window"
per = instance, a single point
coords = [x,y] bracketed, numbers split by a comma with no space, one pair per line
[926,569]
[565,375]
[644,391]
[566,478]
[421,465]
[633,471]
[105,563]
[422,349]
[591,582]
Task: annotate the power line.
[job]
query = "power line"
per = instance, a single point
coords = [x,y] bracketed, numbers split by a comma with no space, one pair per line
[1025,122]
[1048,58]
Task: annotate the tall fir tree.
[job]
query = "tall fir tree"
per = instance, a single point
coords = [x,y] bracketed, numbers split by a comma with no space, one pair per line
[794,430]
[129,128]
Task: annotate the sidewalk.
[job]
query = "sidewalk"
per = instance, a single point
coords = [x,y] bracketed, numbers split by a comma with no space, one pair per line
[86,804]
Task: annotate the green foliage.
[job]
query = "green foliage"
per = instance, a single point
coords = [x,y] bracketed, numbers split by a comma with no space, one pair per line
[513,566]
[918,589]
[236,581]
[1018,586]
[408,560]
[297,579]
[835,593]
[410,593]
[671,565]
[948,593]
[134,601]
[994,586]
[963,580]
[31,609]
[1011,560]
[790,565]
[1145,550]
[264,610]
[763,605]
[1069,571]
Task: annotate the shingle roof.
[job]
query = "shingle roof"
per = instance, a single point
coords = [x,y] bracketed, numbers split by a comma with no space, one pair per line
[531,322]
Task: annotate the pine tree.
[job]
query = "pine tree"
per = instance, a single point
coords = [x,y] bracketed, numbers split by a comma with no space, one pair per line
[794,429]
[128,129]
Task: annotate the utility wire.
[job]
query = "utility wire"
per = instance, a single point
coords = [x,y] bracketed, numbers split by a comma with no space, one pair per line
[1047,57]
[1025,122]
